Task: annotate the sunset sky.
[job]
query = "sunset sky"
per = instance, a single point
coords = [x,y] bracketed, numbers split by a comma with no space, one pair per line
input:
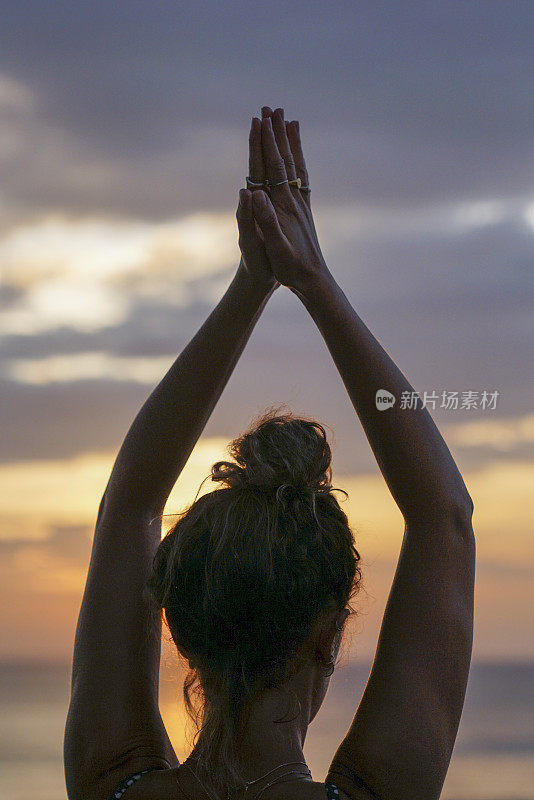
[123,144]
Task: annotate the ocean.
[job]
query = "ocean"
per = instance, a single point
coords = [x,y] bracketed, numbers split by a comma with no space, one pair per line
[493,758]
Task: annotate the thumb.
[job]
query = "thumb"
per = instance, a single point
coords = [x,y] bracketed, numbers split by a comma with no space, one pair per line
[245,217]
[265,216]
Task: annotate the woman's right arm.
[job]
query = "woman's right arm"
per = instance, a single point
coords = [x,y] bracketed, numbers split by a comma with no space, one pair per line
[401,739]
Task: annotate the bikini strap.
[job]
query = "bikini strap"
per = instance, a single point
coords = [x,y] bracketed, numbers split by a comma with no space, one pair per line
[332,792]
[123,785]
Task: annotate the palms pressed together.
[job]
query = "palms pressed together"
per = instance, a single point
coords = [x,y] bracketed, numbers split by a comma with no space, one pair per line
[277,235]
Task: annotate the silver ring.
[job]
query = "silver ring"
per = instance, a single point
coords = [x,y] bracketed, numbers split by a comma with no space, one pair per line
[295,182]
[253,184]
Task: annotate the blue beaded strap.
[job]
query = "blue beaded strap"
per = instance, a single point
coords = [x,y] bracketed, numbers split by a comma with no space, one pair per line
[123,785]
[332,792]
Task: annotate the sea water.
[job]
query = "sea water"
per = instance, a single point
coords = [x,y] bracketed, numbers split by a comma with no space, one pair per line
[493,758]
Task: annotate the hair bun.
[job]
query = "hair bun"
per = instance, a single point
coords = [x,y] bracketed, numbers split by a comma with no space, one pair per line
[278,450]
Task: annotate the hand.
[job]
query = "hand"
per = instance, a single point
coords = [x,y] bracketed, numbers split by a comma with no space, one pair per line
[254,257]
[283,213]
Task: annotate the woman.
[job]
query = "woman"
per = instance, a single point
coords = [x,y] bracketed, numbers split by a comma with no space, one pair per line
[255,580]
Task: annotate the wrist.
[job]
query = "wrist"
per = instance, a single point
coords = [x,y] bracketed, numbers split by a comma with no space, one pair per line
[254,287]
[314,286]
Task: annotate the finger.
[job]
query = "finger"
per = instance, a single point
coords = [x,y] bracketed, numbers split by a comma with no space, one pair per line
[293,134]
[282,141]
[245,220]
[273,162]
[244,207]
[265,216]
[266,111]
[255,156]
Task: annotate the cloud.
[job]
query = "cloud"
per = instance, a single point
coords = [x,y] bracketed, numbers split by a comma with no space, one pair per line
[15,95]
[86,274]
[123,145]
[398,105]
[65,392]
[66,542]
[88,366]
[121,165]
[48,168]
[449,298]
[385,224]
[500,434]
[46,497]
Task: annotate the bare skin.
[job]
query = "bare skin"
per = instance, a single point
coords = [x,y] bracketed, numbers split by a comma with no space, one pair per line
[400,741]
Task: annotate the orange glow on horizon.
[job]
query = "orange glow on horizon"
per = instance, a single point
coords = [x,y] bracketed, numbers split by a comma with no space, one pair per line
[46,570]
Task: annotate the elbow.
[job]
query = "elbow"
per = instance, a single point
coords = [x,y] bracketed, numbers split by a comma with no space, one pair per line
[466,505]
[455,517]
[461,535]
[462,510]
[457,506]
[452,512]
[73,752]
[74,780]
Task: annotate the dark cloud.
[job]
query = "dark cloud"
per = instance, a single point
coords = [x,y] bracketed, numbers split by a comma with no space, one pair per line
[397,101]
[10,295]
[472,286]
[143,110]
[68,542]
[63,419]
[455,313]
[60,420]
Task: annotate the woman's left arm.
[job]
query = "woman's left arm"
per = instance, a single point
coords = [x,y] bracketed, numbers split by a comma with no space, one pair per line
[114,727]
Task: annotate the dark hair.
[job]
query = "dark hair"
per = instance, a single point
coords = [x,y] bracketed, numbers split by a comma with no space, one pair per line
[274,534]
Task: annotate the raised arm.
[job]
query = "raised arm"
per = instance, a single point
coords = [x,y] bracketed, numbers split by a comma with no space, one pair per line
[114,727]
[400,742]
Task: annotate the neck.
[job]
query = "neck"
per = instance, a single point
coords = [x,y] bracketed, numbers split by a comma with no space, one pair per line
[267,744]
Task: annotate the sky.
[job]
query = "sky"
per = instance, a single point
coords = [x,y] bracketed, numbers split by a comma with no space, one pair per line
[123,144]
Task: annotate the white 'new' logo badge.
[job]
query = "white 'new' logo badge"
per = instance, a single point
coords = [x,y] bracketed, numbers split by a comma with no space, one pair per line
[384,400]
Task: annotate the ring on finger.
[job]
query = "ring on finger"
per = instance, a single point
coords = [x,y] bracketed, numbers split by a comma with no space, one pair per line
[280,183]
[298,183]
[266,183]
[254,184]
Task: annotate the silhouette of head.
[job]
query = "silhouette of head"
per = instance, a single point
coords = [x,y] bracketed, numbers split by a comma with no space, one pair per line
[250,571]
